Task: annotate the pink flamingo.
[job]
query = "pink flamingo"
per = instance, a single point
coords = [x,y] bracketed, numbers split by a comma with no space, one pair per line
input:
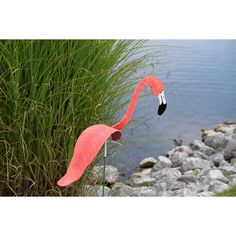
[92,139]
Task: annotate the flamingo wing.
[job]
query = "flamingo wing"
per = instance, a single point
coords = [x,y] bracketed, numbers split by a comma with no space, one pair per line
[86,148]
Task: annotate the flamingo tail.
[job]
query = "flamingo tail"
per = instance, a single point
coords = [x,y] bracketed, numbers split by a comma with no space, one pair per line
[86,148]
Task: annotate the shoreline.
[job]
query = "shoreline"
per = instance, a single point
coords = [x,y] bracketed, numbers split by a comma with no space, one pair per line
[203,168]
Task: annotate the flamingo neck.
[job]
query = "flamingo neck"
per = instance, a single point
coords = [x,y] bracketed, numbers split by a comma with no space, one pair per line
[124,121]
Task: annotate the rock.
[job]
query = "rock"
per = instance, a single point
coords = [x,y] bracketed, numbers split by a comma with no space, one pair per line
[230,122]
[217,141]
[111,174]
[187,178]
[148,162]
[120,189]
[192,172]
[145,171]
[230,150]
[161,163]
[160,187]
[184,192]
[233,162]
[217,186]
[216,175]
[199,154]
[216,158]
[182,148]
[166,173]
[195,187]
[122,171]
[96,190]
[228,170]
[178,141]
[144,191]
[206,194]
[232,180]
[224,128]
[177,158]
[207,132]
[168,184]
[200,146]
[173,184]
[224,163]
[164,193]
[192,163]
[139,179]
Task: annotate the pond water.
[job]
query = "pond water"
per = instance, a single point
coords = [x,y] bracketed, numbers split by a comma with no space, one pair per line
[200,88]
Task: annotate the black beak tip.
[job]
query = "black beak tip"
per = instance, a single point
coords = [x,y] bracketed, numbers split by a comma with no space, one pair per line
[161,109]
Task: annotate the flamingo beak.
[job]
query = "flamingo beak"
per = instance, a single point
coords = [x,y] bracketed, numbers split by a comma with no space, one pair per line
[162,103]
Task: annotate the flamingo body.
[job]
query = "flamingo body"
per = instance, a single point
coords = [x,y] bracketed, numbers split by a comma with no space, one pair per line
[92,139]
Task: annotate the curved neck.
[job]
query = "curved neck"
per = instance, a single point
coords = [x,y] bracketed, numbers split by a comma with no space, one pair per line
[156,86]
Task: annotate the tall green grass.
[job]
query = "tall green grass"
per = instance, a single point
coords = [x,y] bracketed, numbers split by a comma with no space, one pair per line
[50,91]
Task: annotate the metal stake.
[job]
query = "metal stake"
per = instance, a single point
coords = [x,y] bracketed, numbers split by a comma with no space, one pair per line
[104,170]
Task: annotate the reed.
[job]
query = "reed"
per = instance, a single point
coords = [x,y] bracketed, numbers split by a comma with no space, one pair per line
[50,91]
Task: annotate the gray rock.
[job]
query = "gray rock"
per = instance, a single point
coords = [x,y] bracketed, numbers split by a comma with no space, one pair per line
[139,179]
[182,148]
[160,187]
[144,191]
[174,185]
[164,193]
[187,178]
[230,150]
[206,194]
[233,162]
[223,128]
[232,180]
[228,170]
[217,141]
[120,189]
[111,174]
[145,171]
[230,122]
[96,190]
[166,173]
[122,170]
[184,192]
[216,175]
[148,162]
[161,163]
[207,132]
[199,154]
[217,186]
[197,145]
[224,163]
[177,158]
[168,184]
[178,141]
[232,183]
[195,187]
[192,163]
[216,158]
[192,172]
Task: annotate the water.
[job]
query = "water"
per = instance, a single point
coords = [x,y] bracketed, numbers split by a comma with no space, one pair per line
[200,88]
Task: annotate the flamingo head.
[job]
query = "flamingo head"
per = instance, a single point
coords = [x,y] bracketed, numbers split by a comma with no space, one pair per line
[158,90]
[162,103]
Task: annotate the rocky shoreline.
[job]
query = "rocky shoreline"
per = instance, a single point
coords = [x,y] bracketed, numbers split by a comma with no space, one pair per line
[202,168]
